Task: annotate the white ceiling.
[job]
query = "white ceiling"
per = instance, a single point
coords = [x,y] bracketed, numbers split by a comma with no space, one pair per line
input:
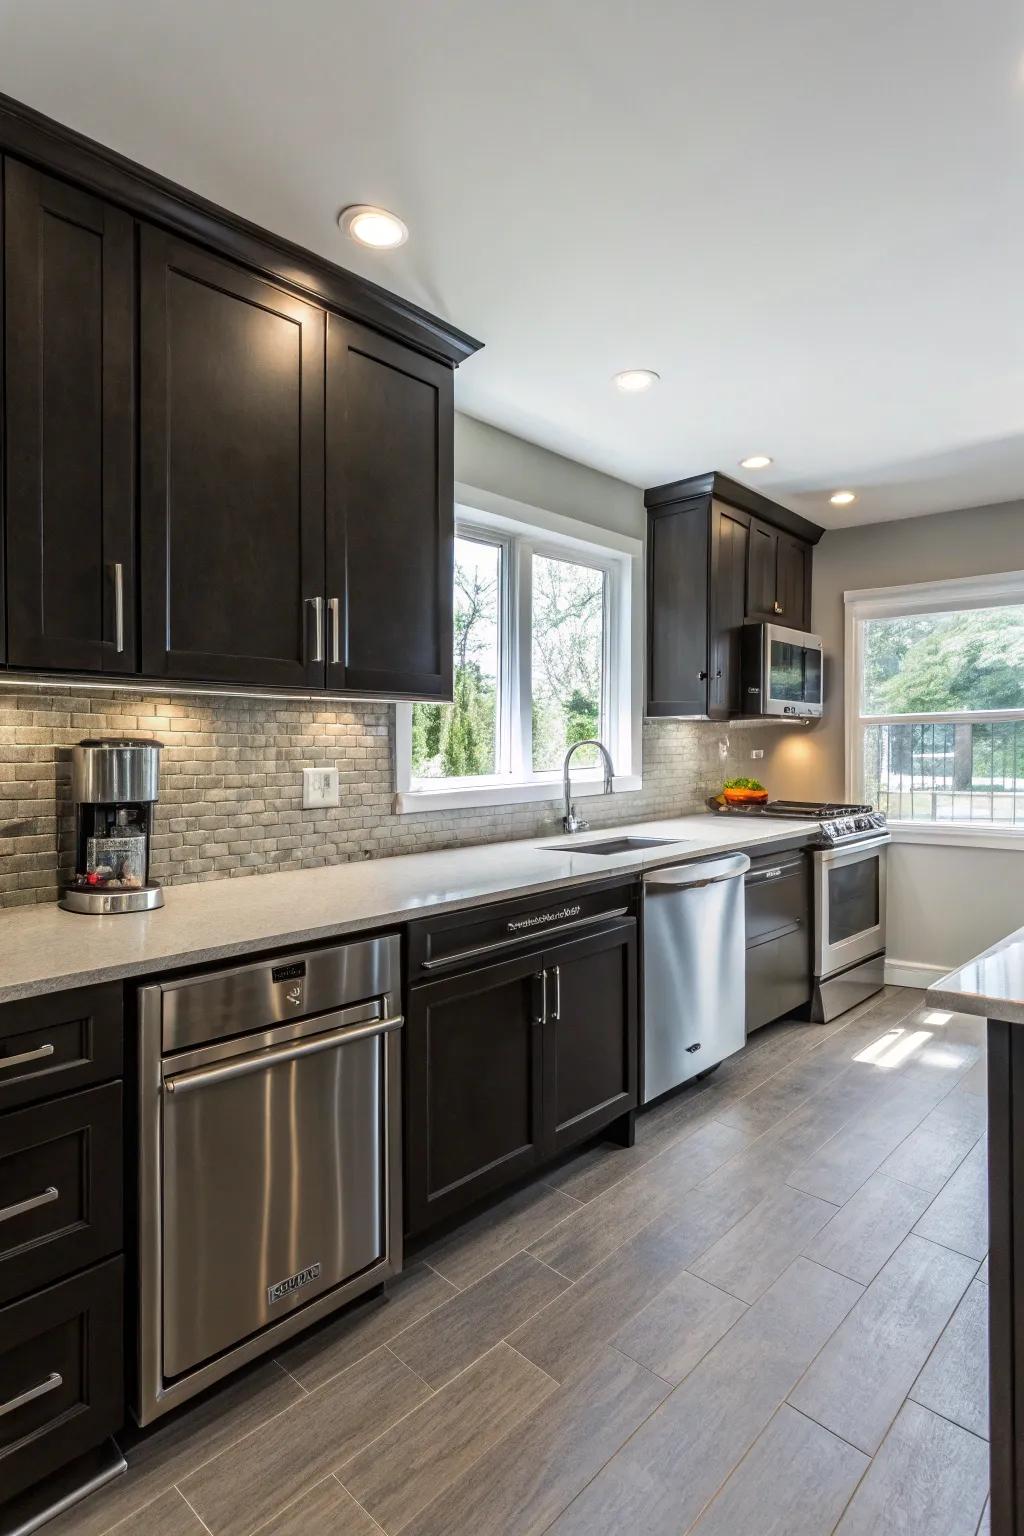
[806,215]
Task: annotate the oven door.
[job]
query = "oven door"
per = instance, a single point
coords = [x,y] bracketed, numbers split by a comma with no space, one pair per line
[849,904]
[791,672]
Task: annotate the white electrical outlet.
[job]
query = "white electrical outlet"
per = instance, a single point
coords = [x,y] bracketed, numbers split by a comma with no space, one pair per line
[320,786]
[758,752]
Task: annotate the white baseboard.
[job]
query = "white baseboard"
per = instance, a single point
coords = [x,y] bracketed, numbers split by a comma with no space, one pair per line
[912,973]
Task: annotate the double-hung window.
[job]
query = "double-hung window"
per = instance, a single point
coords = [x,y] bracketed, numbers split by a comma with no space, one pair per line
[935,705]
[544,657]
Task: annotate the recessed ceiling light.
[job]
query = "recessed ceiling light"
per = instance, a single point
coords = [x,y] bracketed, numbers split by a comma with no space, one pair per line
[842,498]
[633,381]
[756,461]
[374,227]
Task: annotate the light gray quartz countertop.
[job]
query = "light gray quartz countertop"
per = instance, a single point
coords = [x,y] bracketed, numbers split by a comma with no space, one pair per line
[44,949]
[991,985]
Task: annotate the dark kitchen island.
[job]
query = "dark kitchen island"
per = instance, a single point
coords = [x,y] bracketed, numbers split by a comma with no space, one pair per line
[993,987]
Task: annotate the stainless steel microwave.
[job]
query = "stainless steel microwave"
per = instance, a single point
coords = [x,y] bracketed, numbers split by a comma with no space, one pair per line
[782,674]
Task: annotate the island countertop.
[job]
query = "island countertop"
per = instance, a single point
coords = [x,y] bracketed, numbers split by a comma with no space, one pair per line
[44,949]
[991,985]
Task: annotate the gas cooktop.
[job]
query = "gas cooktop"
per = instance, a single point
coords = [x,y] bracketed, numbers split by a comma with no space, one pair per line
[837,823]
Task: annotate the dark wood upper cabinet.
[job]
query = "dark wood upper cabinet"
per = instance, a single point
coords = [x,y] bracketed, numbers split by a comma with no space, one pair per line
[715,561]
[231,373]
[69,346]
[390,515]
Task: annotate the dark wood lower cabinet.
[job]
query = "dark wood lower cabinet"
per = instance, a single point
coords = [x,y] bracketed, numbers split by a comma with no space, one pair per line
[61,1374]
[510,1064]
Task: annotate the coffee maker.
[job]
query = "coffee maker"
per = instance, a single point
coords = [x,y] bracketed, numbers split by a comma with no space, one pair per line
[114,784]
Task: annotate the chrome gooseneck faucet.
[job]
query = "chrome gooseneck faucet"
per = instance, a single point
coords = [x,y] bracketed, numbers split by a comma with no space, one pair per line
[570,821]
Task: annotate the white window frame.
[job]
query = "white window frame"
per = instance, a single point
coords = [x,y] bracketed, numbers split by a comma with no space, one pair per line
[524,531]
[951,595]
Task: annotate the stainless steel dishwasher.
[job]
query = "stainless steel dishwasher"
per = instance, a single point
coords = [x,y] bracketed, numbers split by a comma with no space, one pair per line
[694,987]
[269,1157]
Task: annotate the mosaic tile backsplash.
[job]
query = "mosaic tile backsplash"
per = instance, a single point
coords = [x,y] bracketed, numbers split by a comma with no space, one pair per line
[231,784]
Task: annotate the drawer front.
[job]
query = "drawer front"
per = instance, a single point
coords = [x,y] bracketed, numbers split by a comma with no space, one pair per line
[60,1042]
[61,1374]
[60,1188]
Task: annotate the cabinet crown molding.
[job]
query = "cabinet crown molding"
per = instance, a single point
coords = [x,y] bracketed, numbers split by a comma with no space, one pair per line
[60,151]
[714,483]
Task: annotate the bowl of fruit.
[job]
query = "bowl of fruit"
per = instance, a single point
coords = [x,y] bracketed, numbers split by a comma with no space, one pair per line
[744,792]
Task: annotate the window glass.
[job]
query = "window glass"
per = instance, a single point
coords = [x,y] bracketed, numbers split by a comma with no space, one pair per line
[460,740]
[567,660]
[931,663]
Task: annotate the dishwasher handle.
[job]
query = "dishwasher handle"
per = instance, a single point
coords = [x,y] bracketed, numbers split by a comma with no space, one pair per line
[259,1061]
[703,872]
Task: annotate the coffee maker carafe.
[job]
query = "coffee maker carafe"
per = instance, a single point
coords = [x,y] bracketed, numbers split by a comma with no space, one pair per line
[114,784]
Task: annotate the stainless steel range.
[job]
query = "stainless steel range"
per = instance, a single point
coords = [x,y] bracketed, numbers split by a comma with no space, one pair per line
[849,857]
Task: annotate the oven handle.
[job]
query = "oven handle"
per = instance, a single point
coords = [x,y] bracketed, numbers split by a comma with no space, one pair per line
[241,1066]
[837,855]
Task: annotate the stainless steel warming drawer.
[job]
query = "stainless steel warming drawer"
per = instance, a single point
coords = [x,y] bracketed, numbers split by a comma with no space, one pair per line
[269,1156]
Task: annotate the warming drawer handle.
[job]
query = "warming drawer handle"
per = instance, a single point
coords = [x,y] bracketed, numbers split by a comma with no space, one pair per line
[26,1056]
[52,1382]
[241,1066]
[478,951]
[48,1196]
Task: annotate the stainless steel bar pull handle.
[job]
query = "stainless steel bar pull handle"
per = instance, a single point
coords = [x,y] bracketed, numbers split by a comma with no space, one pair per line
[556,972]
[334,627]
[52,1382]
[317,604]
[48,1196]
[25,1057]
[204,1077]
[117,577]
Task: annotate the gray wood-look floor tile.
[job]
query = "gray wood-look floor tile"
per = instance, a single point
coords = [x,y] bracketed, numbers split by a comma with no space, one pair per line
[325,1351]
[261,1475]
[168,1515]
[754,1252]
[675,1330]
[930,1478]
[869,1228]
[985,1523]
[520,1486]
[976,1080]
[856,1385]
[594,1231]
[414,1462]
[690,1160]
[782,1093]
[932,1152]
[326,1510]
[838,1168]
[968,1111]
[453,1336]
[563,1337]
[179,1445]
[796,1478]
[958,1216]
[661,1479]
[983,1271]
[954,1381]
[487,1240]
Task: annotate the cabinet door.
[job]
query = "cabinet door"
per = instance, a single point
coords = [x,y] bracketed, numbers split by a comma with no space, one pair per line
[677,609]
[761,577]
[590,1036]
[793,582]
[69,280]
[232,485]
[390,515]
[473,1087]
[730,538]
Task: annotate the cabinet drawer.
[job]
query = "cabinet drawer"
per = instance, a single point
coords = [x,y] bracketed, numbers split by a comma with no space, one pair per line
[61,1374]
[60,1188]
[56,1043]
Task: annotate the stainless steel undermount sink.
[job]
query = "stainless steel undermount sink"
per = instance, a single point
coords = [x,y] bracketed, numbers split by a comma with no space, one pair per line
[616,845]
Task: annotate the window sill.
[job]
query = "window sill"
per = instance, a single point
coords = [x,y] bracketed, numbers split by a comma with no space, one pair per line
[409,801]
[957,834]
